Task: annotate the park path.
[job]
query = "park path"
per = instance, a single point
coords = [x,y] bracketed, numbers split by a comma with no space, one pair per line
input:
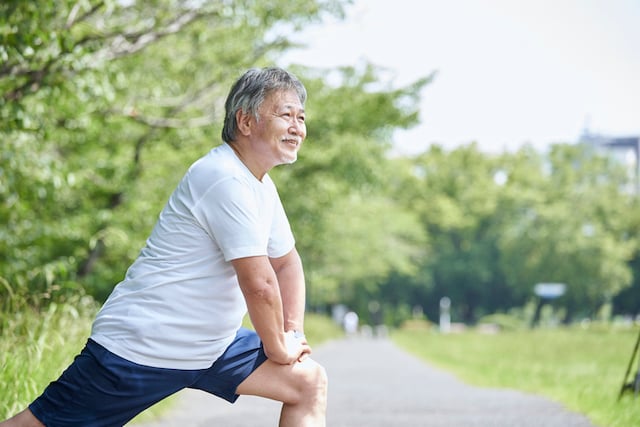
[372,383]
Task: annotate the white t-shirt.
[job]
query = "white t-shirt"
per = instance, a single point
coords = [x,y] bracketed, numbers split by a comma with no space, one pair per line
[179,305]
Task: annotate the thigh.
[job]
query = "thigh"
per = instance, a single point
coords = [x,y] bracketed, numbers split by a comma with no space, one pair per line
[102,389]
[284,383]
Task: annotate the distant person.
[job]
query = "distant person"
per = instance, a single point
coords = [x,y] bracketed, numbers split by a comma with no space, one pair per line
[222,245]
[351,323]
[375,311]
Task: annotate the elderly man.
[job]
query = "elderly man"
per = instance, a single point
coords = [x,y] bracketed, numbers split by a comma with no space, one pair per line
[222,246]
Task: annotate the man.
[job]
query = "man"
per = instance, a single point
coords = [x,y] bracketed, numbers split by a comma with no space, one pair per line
[222,245]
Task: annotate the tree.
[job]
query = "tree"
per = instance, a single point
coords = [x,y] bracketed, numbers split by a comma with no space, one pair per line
[499,224]
[107,103]
[102,106]
[350,228]
[456,197]
[627,302]
[571,227]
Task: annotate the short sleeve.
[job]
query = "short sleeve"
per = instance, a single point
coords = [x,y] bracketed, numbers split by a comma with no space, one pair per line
[281,239]
[232,214]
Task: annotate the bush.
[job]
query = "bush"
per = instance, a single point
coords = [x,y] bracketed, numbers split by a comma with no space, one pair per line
[505,322]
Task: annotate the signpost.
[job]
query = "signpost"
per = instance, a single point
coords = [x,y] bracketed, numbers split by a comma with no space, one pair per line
[445,315]
[546,292]
[549,290]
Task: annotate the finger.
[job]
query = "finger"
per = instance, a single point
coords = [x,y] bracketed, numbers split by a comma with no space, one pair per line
[305,354]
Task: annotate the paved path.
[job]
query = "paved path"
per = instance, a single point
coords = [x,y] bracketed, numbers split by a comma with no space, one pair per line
[374,384]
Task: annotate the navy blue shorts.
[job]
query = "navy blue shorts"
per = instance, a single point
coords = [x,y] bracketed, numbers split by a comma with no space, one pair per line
[102,389]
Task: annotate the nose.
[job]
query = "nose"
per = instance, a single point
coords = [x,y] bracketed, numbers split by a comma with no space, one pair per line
[298,128]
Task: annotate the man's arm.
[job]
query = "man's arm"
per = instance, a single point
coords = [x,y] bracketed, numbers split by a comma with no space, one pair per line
[290,275]
[259,285]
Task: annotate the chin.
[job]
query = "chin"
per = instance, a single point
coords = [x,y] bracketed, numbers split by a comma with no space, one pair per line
[289,158]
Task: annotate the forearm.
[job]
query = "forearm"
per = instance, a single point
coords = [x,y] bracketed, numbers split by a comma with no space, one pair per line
[259,286]
[275,309]
[265,311]
[291,283]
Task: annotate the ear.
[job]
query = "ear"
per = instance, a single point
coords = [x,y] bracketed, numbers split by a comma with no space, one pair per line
[244,121]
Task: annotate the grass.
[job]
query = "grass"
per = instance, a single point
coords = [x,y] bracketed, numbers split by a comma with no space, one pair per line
[582,369]
[36,346]
[319,329]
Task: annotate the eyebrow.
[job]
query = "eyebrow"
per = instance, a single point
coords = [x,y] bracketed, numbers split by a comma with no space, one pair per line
[293,106]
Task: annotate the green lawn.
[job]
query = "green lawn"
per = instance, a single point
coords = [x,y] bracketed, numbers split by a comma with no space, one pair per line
[583,369]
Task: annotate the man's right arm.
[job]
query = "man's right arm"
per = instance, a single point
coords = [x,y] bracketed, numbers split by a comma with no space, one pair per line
[261,291]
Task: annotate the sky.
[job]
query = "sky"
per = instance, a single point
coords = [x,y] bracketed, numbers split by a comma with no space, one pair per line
[508,72]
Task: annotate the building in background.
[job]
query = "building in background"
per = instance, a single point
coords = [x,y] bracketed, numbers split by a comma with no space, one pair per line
[625,149]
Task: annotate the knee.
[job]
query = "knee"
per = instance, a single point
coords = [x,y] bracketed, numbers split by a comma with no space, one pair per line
[315,378]
[321,379]
[313,383]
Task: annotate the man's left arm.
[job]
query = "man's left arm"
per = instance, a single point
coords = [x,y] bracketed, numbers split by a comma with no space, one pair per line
[290,274]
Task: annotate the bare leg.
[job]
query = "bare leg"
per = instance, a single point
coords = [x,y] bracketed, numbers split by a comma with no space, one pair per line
[22,419]
[301,387]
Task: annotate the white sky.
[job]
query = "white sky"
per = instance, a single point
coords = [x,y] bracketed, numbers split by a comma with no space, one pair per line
[509,72]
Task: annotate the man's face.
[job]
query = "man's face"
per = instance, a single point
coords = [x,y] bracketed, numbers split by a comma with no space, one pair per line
[280,128]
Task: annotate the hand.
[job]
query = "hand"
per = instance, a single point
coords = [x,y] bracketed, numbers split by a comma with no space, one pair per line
[297,347]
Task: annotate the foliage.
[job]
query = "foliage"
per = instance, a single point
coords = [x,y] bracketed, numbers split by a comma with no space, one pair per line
[505,322]
[628,300]
[456,197]
[582,369]
[573,229]
[499,224]
[349,228]
[104,104]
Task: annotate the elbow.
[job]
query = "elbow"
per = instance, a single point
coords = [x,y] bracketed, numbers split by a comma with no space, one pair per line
[262,291]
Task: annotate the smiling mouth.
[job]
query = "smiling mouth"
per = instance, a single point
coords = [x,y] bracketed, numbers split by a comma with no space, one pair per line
[294,142]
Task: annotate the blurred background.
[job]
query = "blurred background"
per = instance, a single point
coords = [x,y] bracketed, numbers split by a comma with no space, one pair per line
[468,164]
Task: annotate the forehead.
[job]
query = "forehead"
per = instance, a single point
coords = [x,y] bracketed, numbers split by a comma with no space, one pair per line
[282,99]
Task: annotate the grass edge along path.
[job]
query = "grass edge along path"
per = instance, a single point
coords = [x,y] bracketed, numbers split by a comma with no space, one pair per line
[581,369]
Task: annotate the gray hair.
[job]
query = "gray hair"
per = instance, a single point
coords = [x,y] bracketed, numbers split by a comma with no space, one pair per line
[250,90]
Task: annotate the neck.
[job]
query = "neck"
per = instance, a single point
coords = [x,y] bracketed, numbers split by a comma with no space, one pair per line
[247,160]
